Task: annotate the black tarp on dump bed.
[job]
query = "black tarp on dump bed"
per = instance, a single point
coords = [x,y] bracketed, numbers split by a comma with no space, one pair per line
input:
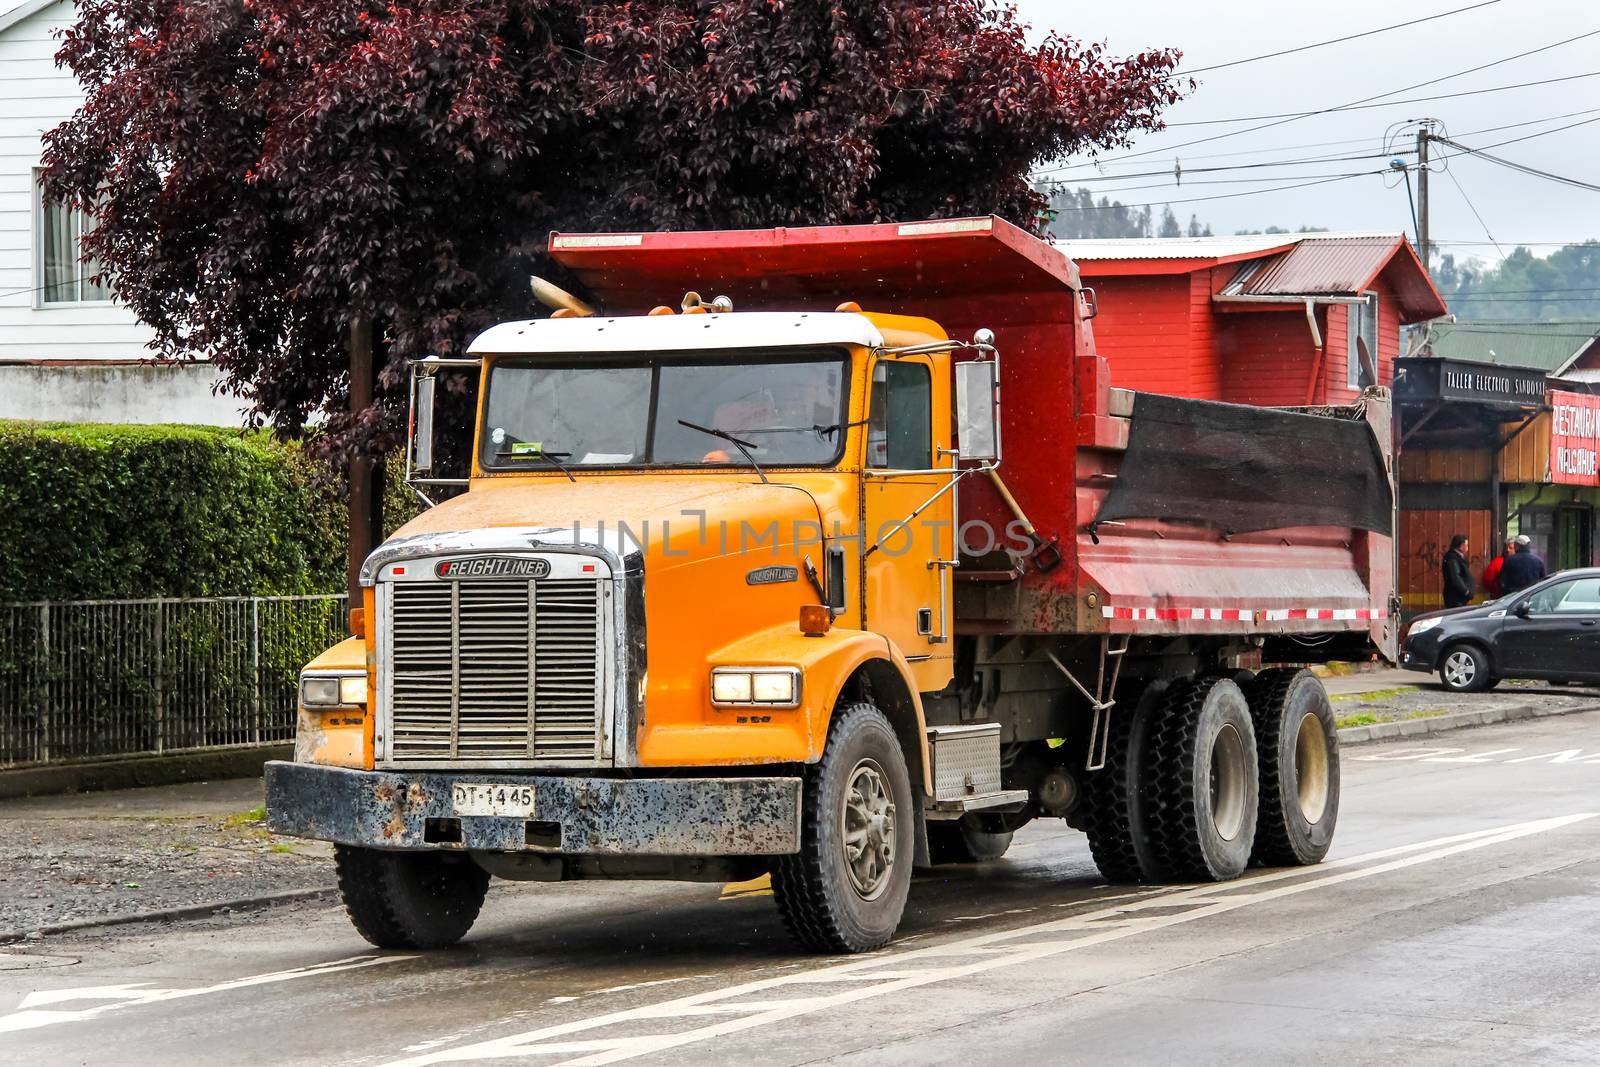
[1240,468]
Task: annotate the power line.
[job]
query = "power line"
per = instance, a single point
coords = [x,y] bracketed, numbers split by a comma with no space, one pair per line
[1353,141]
[1082,182]
[1351,104]
[1185,171]
[1579,242]
[1474,209]
[1387,103]
[1335,40]
[1228,181]
[1524,168]
[1225,196]
[1525,299]
[1524,292]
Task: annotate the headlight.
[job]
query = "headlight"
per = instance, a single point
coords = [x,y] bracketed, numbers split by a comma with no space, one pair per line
[333,690]
[1422,626]
[770,687]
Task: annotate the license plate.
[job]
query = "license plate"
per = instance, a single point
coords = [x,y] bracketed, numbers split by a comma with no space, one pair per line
[492,798]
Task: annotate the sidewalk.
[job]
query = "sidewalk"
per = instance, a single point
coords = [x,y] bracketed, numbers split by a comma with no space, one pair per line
[1387,679]
[95,855]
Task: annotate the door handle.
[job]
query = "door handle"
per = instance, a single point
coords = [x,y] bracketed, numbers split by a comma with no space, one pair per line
[1588,622]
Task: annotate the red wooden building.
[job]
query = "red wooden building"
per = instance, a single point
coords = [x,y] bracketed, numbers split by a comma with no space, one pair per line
[1270,319]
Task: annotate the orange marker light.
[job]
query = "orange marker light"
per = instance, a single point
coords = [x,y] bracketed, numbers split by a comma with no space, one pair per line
[849,305]
[358,622]
[815,620]
[662,309]
[564,313]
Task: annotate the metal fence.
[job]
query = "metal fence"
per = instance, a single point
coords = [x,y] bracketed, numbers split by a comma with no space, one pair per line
[104,678]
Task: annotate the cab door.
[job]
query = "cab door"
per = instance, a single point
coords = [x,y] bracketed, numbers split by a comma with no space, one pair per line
[907,514]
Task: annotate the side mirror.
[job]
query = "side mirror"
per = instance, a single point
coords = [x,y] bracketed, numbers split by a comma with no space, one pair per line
[421,442]
[978,410]
[1521,610]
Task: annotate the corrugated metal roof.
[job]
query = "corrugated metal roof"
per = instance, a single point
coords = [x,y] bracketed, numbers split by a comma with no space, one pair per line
[1321,266]
[1174,247]
[1543,345]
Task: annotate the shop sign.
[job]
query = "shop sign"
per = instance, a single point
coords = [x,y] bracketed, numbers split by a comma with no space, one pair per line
[1574,438]
[1428,379]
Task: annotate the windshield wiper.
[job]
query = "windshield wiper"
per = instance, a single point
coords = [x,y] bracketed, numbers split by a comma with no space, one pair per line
[744,447]
[550,457]
[823,432]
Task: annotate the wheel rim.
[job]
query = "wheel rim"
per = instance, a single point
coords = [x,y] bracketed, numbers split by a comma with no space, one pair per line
[1460,668]
[1311,767]
[1227,782]
[867,818]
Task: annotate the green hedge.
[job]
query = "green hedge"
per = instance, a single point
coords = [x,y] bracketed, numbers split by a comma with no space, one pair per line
[90,511]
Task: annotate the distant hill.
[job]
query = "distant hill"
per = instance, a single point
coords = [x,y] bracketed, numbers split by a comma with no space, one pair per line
[1563,285]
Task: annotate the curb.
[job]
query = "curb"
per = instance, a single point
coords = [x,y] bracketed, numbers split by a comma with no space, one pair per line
[1438,724]
[191,911]
[138,772]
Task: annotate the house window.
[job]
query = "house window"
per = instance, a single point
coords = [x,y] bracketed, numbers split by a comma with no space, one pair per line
[63,277]
[1362,324]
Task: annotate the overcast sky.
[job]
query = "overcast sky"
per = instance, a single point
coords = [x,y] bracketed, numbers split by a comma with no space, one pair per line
[1515,207]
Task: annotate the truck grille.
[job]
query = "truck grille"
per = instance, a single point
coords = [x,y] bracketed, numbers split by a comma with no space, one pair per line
[495,670]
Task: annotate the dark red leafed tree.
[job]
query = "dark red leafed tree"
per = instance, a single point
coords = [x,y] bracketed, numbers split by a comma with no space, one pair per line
[263,171]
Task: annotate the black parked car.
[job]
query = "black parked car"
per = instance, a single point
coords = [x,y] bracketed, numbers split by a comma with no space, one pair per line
[1550,630]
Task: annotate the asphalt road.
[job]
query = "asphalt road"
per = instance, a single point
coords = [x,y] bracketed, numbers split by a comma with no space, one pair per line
[1458,920]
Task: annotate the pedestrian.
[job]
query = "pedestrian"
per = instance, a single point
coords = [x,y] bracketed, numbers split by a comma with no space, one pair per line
[1522,569]
[1491,573]
[1457,574]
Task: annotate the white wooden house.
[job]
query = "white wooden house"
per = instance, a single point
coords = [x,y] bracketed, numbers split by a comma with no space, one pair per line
[67,351]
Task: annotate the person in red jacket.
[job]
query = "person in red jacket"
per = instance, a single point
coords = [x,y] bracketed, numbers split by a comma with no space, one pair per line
[1491,573]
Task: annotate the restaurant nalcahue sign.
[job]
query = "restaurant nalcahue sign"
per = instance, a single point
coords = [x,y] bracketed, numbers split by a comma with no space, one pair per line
[1574,438]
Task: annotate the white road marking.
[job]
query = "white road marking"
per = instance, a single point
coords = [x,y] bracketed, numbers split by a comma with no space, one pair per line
[889,972]
[1474,757]
[33,1013]
[1566,755]
[1485,756]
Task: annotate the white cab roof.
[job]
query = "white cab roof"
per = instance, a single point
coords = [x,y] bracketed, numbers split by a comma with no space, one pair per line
[676,333]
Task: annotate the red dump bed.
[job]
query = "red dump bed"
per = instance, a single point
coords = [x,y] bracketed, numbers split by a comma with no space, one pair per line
[1066,430]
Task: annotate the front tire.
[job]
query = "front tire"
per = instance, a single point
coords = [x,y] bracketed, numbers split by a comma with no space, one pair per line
[1200,782]
[1465,669]
[1297,742]
[410,899]
[846,888]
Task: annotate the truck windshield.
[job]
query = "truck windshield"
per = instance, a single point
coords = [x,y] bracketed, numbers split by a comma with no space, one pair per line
[627,411]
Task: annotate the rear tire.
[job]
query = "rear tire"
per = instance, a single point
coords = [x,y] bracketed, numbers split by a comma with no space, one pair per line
[1465,669]
[965,841]
[1113,815]
[1200,782]
[1297,742]
[846,888]
[410,899]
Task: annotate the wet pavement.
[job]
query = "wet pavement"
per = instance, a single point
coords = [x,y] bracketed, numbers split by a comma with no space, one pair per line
[1457,920]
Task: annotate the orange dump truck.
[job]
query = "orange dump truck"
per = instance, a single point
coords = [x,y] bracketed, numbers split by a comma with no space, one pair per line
[854,570]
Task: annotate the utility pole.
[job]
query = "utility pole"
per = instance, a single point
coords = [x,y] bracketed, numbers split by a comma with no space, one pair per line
[366,486]
[1424,135]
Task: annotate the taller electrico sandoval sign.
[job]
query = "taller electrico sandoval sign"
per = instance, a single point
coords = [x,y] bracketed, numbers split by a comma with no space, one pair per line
[1574,438]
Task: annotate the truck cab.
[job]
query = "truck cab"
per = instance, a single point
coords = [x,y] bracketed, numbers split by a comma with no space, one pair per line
[744,588]
[687,538]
